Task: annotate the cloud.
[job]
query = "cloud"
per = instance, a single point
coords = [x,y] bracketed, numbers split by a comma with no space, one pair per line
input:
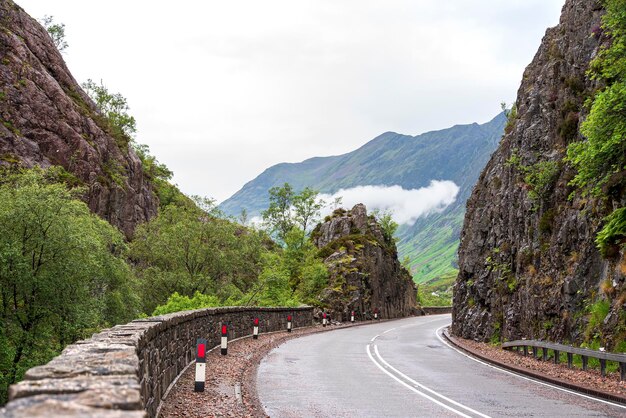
[406,205]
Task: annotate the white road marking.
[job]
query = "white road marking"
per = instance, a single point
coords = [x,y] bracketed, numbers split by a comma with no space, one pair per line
[411,387]
[437,332]
[383,365]
[467,408]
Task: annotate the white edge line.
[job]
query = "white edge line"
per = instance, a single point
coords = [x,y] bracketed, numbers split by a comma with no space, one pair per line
[524,377]
[412,388]
[389,330]
[467,408]
[373,338]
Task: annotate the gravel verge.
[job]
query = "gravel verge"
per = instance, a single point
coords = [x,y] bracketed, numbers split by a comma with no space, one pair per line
[589,382]
[225,373]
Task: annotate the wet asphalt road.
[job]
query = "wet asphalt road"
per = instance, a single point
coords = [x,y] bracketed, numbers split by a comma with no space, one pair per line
[402,369]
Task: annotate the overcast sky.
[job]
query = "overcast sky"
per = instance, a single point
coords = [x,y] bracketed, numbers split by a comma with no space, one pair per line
[222,90]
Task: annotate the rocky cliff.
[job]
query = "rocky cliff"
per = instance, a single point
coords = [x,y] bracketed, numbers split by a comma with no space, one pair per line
[48,120]
[365,274]
[529,266]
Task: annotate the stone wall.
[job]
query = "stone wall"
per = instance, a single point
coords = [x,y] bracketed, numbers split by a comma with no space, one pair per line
[124,371]
[436,310]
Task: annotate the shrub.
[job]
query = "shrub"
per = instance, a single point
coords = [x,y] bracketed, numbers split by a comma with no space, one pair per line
[613,232]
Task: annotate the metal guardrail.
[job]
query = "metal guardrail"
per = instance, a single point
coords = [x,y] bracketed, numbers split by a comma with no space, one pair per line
[584,353]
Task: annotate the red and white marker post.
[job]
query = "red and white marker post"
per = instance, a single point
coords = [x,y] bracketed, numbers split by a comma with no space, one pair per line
[352,316]
[200,365]
[224,345]
[255,330]
[288,323]
[376,313]
[324,319]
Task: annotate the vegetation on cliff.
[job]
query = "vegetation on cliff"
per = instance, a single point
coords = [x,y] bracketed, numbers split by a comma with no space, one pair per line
[600,162]
[600,159]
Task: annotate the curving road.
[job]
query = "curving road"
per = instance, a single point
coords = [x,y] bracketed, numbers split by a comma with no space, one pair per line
[401,369]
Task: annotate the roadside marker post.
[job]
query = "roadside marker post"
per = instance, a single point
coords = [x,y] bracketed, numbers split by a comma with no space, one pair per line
[376,313]
[352,316]
[224,345]
[255,331]
[200,365]
[324,320]
[288,323]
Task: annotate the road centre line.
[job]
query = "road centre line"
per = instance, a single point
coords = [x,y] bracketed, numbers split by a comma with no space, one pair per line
[437,332]
[467,408]
[411,387]
[405,326]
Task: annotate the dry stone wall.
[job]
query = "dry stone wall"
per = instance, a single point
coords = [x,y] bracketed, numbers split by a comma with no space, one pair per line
[125,371]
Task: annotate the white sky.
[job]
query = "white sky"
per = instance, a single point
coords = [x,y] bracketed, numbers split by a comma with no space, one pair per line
[222,90]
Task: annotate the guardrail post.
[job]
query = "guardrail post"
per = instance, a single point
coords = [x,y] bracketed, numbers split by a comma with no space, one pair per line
[570,360]
[602,367]
[545,354]
[556,357]
[622,371]
[255,329]
[525,350]
[224,342]
[584,362]
[535,352]
[200,365]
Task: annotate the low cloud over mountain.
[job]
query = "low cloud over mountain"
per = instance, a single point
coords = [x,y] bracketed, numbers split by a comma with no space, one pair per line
[405,205]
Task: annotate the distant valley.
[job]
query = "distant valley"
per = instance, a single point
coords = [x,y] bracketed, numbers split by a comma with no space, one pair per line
[457,154]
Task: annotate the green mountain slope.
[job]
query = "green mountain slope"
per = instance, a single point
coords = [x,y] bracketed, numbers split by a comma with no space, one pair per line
[458,154]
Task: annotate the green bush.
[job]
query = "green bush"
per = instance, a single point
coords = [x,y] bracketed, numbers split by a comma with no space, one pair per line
[613,232]
[177,303]
[541,178]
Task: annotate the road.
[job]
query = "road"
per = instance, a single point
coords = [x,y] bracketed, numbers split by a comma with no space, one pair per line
[403,368]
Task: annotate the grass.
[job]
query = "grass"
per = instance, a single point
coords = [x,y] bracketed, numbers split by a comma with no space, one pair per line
[433,251]
[437,291]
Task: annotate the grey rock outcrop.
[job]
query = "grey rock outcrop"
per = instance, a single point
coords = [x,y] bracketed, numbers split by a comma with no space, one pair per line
[529,266]
[46,119]
[365,274]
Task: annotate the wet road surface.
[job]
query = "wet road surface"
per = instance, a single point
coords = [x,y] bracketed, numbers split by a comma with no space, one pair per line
[403,369]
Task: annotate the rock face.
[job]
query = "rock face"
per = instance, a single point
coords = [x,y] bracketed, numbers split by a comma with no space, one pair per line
[528,263]
[365,274]
[48,120]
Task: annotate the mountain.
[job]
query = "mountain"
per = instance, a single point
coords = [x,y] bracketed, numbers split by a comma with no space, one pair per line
[529,261]
[457,154]
[47,119]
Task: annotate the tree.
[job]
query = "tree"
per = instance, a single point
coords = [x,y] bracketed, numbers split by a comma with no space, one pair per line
[278,215]
[62,272]
[114,107]
[387,224]
[56,32]
[189,250]
[306,208]
[288,209]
